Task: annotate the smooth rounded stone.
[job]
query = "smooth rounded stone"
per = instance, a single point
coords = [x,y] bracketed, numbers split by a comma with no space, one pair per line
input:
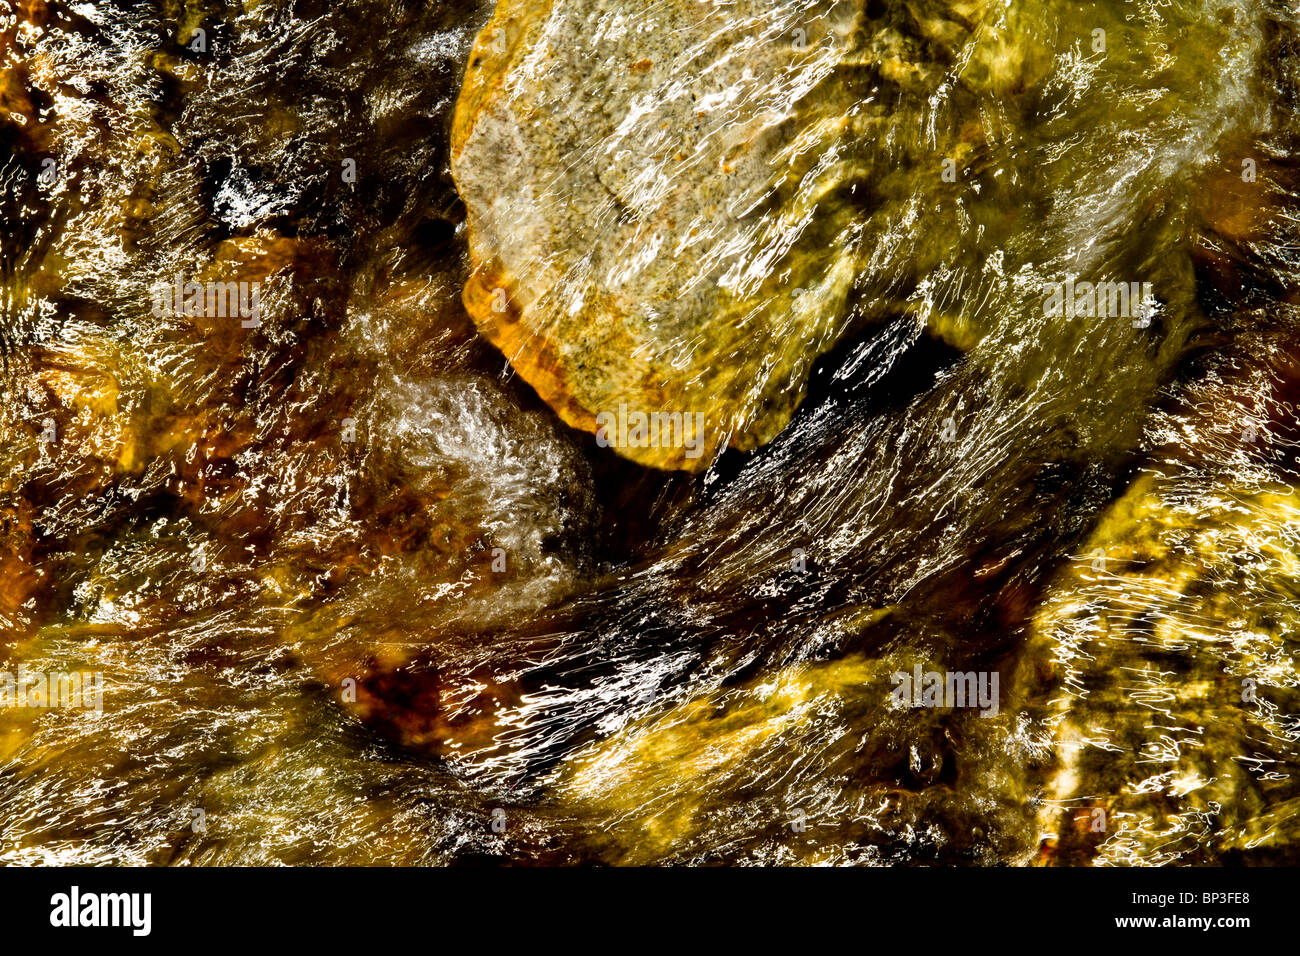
[668,204]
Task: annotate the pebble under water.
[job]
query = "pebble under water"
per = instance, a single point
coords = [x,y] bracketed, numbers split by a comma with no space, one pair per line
[361,573]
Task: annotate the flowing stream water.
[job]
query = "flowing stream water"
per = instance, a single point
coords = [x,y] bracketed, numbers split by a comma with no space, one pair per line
[362,586]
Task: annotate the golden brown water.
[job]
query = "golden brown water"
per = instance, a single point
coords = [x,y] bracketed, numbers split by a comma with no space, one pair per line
[357,593]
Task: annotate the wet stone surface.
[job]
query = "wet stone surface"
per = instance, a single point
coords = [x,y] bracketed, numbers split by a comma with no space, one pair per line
[338,537]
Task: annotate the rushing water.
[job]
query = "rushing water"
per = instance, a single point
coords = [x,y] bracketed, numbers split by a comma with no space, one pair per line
[359,593]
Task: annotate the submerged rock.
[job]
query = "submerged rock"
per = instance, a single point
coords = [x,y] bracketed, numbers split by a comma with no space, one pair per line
[257,534]
[670,205]
[1176,672]
[1166,651]
[826,771]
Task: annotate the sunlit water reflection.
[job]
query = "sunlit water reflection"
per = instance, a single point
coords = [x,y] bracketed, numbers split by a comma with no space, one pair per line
[359,595]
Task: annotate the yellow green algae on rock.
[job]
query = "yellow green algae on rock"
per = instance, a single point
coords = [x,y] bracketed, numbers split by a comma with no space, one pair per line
[663,207]
[1171,648]
[1166,651]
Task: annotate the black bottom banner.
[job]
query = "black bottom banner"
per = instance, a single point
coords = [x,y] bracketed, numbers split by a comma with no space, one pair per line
[363,907]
